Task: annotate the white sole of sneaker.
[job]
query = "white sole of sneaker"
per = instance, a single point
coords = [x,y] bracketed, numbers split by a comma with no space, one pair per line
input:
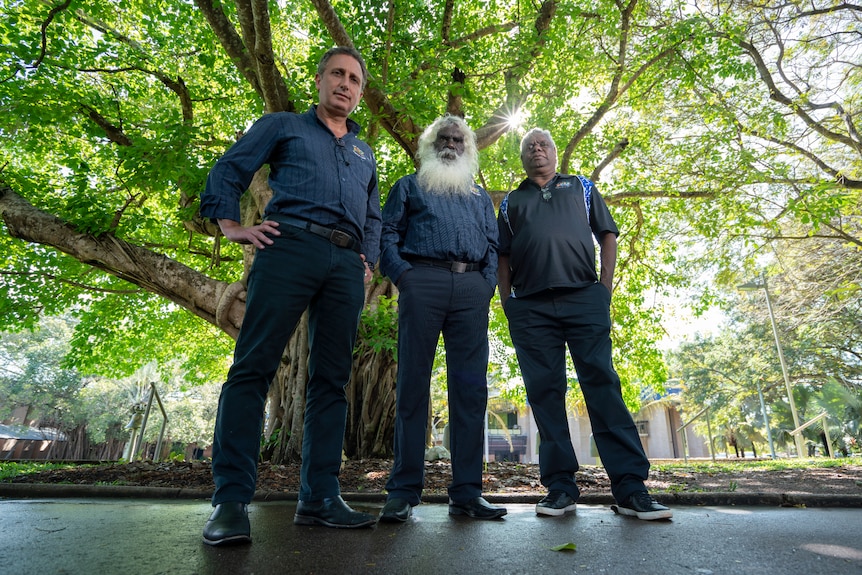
[555,512]
[644,515]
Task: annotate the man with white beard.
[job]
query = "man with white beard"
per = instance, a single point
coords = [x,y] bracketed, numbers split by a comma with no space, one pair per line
[439,246]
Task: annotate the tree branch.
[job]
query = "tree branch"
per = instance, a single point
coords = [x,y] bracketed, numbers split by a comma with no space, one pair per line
[139,266]
[43,42]
[614,91]
[481,32]
[231,42]
[615,153]
[798,109]
[840,178]
[245,17]
[399,126]
[177,86]
[114,133]
[446,25]
[498,123]
[74,284]
[455,101]
[275,95]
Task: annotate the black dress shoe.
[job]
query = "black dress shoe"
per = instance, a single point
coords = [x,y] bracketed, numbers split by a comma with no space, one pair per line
[228,525]
[477,508]
[396,510]
[331,512]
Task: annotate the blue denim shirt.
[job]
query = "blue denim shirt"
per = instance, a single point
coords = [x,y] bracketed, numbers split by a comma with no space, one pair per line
[444,227]
[314,176]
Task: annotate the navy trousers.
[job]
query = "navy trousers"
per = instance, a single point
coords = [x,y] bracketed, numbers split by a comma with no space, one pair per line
[542,326]
[300,270]
[432,301]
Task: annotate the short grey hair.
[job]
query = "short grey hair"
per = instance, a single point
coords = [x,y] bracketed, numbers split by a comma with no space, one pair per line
[347,51]
[534,132]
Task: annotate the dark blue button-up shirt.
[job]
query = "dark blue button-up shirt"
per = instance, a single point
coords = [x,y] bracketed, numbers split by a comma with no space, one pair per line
[444,227]
[314,176]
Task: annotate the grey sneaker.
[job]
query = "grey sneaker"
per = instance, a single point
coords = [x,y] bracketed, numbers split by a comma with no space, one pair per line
[555,503]
[641,505]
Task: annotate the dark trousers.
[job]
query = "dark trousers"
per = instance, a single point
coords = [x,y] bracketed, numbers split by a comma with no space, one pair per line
[300,270]
[433,301]
[542,326]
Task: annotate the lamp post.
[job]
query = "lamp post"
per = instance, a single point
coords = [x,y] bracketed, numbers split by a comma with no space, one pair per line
[752,286]
[766,420]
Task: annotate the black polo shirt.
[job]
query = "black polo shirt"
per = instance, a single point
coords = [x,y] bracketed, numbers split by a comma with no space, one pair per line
[548,235]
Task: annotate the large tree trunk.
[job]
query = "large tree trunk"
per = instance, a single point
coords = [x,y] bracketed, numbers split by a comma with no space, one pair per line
[286,402]
[371,391]
[370,394]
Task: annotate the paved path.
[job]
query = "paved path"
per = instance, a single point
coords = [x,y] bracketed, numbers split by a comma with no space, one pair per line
[147,536]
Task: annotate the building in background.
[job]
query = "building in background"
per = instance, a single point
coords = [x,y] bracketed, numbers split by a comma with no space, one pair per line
[513,435]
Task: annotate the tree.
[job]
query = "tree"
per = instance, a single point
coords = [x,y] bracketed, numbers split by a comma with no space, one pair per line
[724,373]
[33,376]
[814,280]
[191,410]
[697,125]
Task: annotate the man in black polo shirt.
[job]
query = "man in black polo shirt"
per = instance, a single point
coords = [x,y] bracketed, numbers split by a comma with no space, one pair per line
[553,298]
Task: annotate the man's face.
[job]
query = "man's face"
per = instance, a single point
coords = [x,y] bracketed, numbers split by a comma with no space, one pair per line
[340,86]
[539,154]
[449,143]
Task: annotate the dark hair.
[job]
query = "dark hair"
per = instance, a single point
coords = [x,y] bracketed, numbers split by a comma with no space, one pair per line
[347,50]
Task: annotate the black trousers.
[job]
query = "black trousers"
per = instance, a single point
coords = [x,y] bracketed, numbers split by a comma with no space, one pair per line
[300,270]
[432,301]
[542,326]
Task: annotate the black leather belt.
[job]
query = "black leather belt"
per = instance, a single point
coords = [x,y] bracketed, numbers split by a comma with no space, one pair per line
[339,238]
[455,267]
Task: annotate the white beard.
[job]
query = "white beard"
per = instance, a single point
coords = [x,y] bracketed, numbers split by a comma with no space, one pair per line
[446,177]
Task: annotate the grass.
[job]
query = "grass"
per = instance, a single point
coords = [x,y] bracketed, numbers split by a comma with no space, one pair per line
[731,466]
[10,469]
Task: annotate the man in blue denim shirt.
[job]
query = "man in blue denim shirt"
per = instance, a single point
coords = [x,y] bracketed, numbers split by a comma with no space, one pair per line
[318,240]
[439,246]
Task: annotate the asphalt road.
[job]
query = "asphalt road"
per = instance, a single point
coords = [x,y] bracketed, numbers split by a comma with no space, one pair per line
[144,537]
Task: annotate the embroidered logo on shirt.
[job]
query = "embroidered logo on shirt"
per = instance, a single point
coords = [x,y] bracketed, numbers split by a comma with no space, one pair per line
[358,151]
[564,184]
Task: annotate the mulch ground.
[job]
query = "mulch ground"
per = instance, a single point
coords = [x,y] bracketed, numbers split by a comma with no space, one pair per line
[369,476]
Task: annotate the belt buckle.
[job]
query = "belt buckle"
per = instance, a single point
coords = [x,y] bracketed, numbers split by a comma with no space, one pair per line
[459,267]
[340,238]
